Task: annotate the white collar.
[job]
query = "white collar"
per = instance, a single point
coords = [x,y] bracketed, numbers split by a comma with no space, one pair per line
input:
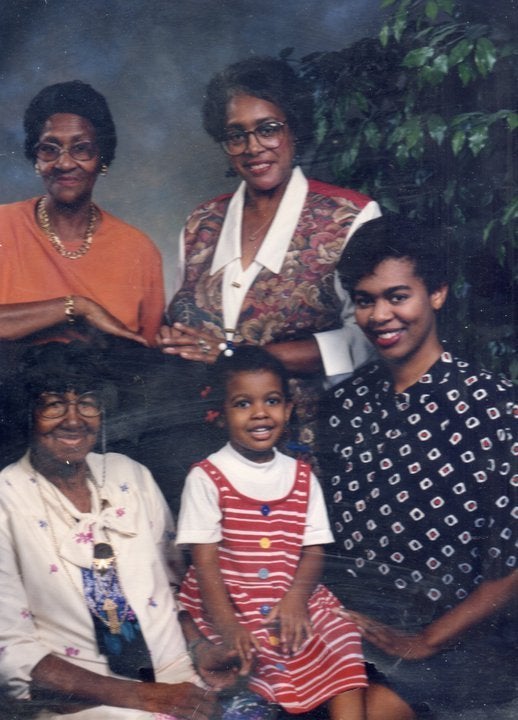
[246,461]
[275,245]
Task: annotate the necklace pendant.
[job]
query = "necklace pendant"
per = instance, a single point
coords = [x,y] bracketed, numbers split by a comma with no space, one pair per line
[266,224]
[110,608]
[104,558]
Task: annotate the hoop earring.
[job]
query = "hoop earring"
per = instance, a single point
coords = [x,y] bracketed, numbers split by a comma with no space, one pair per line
[37,171]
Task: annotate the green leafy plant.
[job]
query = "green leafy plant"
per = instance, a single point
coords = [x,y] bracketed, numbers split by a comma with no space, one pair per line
[421,118]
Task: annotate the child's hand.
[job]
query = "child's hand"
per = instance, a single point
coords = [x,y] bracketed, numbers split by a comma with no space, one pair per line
[238,638]
[293,619]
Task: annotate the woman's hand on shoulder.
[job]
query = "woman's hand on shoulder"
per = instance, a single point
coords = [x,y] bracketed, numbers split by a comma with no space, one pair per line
[189,343]
[96,316]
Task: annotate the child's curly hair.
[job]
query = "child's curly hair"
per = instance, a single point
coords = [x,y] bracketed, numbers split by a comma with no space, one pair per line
[246,358]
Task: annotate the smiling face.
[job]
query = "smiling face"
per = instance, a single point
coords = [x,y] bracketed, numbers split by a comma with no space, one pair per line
[64,440]
[264,170]
[68,181]
[396,311]
[256,412]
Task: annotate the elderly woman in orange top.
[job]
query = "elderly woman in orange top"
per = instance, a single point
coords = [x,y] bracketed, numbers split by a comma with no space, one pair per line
[68,268]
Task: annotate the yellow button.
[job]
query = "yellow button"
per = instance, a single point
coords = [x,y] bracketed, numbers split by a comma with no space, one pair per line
[273,640]
[264,542]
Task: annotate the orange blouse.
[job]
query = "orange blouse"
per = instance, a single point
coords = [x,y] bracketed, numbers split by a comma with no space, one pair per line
[122,271]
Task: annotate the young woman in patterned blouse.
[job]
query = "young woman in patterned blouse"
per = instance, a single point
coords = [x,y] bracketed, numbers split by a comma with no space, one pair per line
[418,479]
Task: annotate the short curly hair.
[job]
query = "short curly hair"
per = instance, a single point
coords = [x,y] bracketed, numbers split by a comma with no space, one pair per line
[393,237]
[55,367]
[247,359]
[77,98]
[268,78]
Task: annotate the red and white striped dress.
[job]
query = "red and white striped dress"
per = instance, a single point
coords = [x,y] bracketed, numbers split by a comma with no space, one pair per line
[258,555]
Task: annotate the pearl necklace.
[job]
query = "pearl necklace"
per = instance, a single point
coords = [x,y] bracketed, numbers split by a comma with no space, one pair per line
[44,221]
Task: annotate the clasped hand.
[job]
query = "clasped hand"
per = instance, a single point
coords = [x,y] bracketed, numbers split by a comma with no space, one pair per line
[219,667]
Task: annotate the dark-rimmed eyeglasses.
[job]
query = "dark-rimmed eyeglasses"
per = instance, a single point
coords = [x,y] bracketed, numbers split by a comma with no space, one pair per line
[55,405]
[268,134]
[49,152]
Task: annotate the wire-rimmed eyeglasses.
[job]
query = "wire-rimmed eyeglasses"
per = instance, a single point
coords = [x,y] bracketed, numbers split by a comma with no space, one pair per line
[55,405]
[268,134]
[49,152]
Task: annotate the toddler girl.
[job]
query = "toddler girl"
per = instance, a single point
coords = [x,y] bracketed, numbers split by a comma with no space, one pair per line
[255,520]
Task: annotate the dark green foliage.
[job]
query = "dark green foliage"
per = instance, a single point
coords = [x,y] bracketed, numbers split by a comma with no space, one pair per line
[423,119]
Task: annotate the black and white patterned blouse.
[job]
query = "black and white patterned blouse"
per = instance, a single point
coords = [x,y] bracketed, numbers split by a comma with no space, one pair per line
[419,485]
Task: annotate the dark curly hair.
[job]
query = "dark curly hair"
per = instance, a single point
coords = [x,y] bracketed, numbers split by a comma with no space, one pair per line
[77,98]
[56,367]
[386,238]
[246,358]
[62,367]
[268,78]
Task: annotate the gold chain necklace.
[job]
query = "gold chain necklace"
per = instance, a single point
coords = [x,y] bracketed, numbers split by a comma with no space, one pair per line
[253,236]
[44,221]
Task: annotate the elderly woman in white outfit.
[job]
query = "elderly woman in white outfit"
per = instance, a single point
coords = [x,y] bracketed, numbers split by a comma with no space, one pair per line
[88,620]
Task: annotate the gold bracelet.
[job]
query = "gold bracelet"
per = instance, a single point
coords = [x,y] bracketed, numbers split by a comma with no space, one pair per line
[70,309]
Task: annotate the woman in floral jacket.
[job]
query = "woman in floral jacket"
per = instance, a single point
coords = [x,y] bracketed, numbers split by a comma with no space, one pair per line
[259,266]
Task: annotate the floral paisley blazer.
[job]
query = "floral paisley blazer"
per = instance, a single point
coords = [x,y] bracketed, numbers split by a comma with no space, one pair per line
[297,301]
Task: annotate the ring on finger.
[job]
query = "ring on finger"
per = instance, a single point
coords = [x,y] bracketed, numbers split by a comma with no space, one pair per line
[204,346]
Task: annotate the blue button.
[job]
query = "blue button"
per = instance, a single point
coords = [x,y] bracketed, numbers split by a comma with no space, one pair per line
[263,573]
[265,609]
[280,666]
[265,509]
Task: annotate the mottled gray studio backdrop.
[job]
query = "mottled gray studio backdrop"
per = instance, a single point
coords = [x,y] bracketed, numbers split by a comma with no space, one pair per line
[152,60]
